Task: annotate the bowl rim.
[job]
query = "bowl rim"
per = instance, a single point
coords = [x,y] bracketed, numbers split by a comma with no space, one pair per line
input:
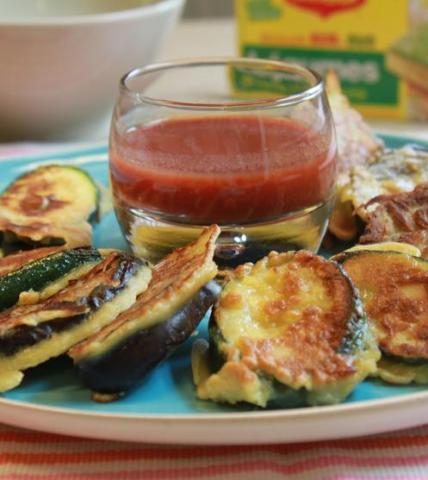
[160,6]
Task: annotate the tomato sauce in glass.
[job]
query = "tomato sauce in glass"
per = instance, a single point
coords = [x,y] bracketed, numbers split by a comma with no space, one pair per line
[222,169]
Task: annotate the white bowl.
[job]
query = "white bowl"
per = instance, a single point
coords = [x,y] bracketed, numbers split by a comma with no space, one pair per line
[61,60]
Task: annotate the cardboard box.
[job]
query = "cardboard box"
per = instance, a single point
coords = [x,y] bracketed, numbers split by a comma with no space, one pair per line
[379,48]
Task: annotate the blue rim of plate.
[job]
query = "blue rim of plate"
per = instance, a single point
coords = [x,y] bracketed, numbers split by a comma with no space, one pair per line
[37,381]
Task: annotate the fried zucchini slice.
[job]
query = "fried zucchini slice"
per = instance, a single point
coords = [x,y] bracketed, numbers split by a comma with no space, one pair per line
[287,331]
[117,357]
[31,334]
[394,290]
[36,274]
[48,206]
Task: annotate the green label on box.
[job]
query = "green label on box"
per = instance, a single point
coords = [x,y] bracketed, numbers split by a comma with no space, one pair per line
[364,77]
[262,10]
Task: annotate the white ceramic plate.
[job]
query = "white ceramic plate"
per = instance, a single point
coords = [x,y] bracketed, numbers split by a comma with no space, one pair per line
[279,426]
[164,408]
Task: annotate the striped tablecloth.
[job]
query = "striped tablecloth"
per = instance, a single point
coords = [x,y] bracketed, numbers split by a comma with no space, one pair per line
[27,455]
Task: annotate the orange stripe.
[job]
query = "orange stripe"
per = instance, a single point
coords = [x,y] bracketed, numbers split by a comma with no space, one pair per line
[213,451]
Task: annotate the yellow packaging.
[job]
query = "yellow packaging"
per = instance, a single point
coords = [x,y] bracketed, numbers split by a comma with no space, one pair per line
[379,48]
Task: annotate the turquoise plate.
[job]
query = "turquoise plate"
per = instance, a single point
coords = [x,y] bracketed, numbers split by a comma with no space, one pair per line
[164,408]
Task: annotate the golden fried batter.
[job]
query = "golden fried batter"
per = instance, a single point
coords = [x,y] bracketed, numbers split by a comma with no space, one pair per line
[174,281]
[13,262]
[299,305]
[394,289]
[48,206]
[402,217]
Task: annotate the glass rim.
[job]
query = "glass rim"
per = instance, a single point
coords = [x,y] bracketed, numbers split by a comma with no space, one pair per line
[262,103]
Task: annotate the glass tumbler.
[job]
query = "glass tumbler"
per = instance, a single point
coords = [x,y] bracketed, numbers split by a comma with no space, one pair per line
[244,143]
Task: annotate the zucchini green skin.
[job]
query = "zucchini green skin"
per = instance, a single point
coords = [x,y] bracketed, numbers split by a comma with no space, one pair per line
[118,370]
[37,274]
[357,337]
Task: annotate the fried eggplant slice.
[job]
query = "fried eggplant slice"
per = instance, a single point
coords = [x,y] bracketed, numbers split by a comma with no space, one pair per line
[117,357]
[31,334]
[402,217]
[287,331]
[36,274]
[48,206]
[394,289]
[391,172]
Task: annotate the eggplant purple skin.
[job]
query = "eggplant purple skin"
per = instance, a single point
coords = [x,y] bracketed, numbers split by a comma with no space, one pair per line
[127,363]
[23,336]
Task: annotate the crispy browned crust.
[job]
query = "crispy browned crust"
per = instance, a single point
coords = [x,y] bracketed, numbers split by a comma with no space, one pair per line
[401,217]
[13,262]
[313,339]
[78,298]
[34,203]
[168,276]
[400,319]
[27,214]
[357,144]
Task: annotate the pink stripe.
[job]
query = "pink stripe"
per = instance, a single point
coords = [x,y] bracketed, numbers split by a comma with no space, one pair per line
[235,468]
[15,149]
[132,452]
[365,477]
